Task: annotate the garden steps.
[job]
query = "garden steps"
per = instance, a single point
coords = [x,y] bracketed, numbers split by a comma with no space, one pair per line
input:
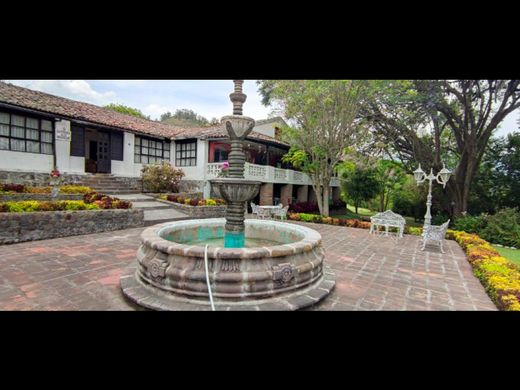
[154,212]
[110,185]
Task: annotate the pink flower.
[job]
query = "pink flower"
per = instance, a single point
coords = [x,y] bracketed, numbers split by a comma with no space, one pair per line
[225,165]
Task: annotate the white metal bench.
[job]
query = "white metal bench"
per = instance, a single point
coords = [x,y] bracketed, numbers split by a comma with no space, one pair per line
[435,233]
[282,213]
[387,219]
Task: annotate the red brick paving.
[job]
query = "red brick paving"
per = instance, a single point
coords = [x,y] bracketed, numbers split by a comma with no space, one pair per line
[372,273]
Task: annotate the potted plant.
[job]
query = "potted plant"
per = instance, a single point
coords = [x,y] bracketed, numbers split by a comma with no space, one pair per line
[224,169]
[55,182]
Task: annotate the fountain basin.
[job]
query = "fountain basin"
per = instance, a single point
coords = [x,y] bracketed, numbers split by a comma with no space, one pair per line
[285,273]
[235,190]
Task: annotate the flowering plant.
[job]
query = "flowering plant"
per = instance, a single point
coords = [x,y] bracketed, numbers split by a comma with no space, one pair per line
[224,167]
[55,173]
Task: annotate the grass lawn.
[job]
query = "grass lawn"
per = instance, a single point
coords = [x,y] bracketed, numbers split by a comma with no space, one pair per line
[512,255]
[349,213]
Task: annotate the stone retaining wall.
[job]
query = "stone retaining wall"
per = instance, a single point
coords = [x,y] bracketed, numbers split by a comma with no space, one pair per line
[191,195]
[42,197]
[36,179]
[198,211]
[19,227]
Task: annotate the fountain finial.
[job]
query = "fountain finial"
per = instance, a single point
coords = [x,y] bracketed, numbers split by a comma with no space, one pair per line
[238,98]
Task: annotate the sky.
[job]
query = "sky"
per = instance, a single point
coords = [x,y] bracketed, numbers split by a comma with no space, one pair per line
[209,98]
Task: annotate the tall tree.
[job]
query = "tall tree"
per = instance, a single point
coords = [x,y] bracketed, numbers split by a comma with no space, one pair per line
[126,110]
[325,121]
[391,177]
[510,164]
[360,185]
[461,116]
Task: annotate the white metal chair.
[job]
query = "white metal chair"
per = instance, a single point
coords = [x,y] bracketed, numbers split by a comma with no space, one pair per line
[435,233]
[281,212]
[254,208]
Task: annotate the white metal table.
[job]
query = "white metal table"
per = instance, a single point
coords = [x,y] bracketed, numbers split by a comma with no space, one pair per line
[267,211]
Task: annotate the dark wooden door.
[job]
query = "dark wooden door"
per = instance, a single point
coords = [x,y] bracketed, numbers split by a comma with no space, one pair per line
[103,155]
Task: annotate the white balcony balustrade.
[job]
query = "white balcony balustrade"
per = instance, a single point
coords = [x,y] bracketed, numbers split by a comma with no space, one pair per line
[268,174]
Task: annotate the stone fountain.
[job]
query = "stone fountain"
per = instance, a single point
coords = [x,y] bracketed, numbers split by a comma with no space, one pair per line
[235,189]
[253,264]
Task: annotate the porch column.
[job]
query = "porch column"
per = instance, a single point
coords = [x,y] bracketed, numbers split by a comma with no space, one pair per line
[336,192]
[302,193]
[62,145]
[312,195]
[266,194]
[286,194]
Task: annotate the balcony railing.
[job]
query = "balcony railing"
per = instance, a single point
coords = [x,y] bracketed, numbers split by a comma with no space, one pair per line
[268,174]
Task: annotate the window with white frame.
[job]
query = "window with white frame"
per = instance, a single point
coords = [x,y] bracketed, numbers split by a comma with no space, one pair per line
[21,133]
[151,151]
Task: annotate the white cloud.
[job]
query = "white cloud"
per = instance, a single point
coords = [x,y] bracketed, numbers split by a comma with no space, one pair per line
[209,98]
[156,110]
[72,89]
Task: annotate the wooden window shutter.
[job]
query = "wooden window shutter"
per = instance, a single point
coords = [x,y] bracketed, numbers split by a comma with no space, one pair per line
[116,145]
[77,143]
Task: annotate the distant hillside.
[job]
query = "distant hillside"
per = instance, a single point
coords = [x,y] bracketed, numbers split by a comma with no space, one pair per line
[185,122]
[186,118]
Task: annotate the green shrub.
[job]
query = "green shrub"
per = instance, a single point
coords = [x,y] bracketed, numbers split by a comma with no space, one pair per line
[33,205]
[12,187]
[161,177]
[73,189]
[103,201]
[469,224]
[307,217]
[38,190]
[502,228]
[439,219]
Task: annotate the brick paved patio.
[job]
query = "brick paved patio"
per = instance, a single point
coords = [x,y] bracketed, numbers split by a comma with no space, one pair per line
[372,273]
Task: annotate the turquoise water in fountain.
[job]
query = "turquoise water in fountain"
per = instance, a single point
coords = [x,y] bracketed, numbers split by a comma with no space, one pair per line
[234,240]
[217,237]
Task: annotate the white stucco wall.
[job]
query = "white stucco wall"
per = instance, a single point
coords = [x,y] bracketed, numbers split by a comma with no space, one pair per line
[266,129]
[62,144]
[64,161]
[196,172]
[25,162]
[127,167]
[32,162]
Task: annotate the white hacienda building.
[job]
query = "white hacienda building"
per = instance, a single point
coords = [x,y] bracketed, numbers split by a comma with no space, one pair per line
[85,142]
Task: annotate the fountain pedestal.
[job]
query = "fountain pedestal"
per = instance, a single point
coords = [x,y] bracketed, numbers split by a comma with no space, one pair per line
[235,189]
[235,192]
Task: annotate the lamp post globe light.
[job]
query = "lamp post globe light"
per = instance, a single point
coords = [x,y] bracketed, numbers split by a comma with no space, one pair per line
[442,178]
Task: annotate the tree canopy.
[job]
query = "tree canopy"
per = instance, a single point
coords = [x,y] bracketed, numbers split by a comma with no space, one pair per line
[430,121]
[324,118]
[187,117]
[126,110]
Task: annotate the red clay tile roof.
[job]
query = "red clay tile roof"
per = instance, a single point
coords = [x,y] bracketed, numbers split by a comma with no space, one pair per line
[73,109]
[220,132]
[40,101]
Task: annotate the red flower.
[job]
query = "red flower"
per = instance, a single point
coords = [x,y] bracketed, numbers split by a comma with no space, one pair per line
[55,173]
